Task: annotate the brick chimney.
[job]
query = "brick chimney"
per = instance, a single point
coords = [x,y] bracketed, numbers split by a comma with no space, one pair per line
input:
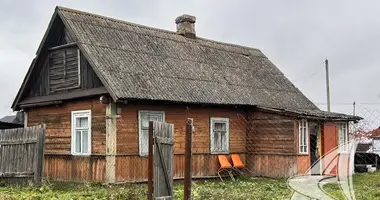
[186,25]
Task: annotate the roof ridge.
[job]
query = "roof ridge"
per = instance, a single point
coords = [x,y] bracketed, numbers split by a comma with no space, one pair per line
[151,28]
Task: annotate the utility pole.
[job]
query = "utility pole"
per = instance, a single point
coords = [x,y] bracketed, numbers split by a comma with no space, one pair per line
[353,108]
[328,85]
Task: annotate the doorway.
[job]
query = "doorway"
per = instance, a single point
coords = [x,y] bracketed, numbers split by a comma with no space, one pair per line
[314,146]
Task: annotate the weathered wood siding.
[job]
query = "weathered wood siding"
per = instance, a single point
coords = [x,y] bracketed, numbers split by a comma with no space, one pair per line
[272,145]
[43,85]
[64,72]
[135,168]
[272,165]
[39,80]
[59,163]
[75,168]
[271,134]
[131,166]
[21,154]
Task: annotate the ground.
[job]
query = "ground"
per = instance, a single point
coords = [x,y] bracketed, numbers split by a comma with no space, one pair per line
[367,186]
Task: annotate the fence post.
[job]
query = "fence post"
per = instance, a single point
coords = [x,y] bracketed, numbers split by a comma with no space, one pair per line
[150,162]
[40,145]
[188,156]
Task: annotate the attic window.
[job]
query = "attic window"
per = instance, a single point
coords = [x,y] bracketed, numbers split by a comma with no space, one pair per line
[64,68]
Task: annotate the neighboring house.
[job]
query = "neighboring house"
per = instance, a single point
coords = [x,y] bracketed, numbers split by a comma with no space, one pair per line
[375,135]
[12,121]
[102,80]
[364,147]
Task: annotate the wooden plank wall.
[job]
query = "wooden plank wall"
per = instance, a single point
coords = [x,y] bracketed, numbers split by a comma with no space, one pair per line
[59,163]
[130,166]
[271,133]
[271,165]
[58,125]
[135,168]
[127,127]
[21,154]
[75,168]
[39,81]
[272,145]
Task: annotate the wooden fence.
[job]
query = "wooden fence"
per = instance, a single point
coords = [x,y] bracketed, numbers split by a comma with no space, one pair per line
[21,154]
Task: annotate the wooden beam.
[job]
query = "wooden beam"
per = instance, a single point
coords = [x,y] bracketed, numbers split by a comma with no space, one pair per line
[30,105]
[150,162]
[188,155]
[110,176]
[63,46]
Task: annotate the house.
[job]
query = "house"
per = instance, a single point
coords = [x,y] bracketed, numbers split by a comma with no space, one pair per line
[375,136]
[12,121]
[364,147]
[96,82]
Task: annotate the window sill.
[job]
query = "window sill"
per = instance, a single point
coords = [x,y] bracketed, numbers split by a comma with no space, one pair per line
[84,155]
[218,153]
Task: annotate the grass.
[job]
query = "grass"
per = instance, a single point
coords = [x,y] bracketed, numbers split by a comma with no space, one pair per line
[367,186]
[243,188]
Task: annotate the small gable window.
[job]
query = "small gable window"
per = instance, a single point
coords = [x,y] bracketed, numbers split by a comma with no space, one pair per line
[144,117]
[64,68]
[219,135]
[303,137]
[81,132]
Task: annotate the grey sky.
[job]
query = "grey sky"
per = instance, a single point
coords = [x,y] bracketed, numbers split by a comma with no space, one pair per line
[296,35]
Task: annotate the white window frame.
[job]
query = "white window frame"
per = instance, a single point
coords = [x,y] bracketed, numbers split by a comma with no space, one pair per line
[303,125]
[212,121]
[343,126]
[141,112]
[74,115]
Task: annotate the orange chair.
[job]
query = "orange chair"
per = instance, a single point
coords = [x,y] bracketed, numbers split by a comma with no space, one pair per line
[238,165]
[225,165]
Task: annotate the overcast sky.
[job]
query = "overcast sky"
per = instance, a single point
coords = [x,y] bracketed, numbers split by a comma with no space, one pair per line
[295,35]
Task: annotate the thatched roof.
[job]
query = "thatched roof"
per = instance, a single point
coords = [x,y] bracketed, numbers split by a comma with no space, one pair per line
[139,62]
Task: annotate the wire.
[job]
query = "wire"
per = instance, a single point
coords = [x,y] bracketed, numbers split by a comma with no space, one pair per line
[348,104]
[305,79]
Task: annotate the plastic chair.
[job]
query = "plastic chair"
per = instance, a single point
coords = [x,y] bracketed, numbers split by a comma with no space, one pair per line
[238,164]
[226,166]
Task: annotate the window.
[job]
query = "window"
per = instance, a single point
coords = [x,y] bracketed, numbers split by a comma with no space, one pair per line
[343,137]
[64,69]
[219,135]
[303,137]
[144,118]
[81,132]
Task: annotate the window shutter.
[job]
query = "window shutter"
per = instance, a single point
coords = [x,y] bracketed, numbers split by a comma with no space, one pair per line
[64,69]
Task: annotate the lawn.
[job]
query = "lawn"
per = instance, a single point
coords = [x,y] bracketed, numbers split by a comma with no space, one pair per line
[243,188]
[367,186]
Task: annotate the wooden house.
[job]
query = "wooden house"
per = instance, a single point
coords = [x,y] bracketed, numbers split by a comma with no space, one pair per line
[12,121]
[96,82]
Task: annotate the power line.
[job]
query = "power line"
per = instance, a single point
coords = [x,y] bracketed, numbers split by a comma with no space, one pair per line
[307,78]
[348,104]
